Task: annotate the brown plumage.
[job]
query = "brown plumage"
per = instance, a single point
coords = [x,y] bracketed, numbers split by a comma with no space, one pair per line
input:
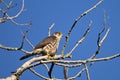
[48,46]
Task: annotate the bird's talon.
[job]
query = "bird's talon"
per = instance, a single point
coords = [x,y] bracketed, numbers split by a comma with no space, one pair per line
[50,57]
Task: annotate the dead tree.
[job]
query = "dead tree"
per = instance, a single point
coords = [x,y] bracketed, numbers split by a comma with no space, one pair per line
[58,60]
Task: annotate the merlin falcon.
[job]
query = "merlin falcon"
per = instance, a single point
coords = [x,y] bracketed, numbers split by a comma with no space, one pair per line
[48,46]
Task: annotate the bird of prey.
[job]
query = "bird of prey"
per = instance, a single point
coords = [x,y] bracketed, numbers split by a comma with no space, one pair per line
[48,46]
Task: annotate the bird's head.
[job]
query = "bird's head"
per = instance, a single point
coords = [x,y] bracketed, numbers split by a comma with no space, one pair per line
[58,35]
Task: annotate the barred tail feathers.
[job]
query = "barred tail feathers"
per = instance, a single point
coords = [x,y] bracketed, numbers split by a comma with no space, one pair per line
[34,52]
[26,56]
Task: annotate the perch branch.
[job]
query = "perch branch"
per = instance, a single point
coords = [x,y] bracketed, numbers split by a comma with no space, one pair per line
[70,61]
[28,65]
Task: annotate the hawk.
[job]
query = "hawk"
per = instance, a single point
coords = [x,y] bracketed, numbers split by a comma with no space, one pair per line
[48,46]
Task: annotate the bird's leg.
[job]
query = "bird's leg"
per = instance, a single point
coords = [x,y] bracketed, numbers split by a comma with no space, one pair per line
[50,57]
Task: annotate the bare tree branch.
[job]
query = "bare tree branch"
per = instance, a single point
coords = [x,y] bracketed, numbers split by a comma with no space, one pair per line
[65,73]
[69,61]
[19,24]
[75,22]
[17,48]
[50,70]
[49,29]
[87,72]
[27,64]
[39,75]
[11,18]
[69,65]
[79,73]
[21,10]
[100,42]
[58,60]
[80,41]
[28,41]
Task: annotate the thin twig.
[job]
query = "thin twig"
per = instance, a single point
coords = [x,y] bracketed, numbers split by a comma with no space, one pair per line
[100,42]
[10,3]
[65,73]
[28,41]
[21,10]
[104,37]
[80,40]
[18,24]
[8,48]
[50,70]
[5,3]
[22,43]
[87,72]
[16,48]
[79,73]
[39,75]
[25,51]
[104,59]
[69,65]
[49,29]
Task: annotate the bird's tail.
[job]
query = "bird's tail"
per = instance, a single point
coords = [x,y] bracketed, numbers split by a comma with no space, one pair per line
[26,56]
[34,52]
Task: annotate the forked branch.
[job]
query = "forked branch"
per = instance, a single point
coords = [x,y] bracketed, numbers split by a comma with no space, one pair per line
[75,22]
[11,18]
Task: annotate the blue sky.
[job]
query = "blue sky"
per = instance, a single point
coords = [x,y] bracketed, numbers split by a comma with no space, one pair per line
[43,13]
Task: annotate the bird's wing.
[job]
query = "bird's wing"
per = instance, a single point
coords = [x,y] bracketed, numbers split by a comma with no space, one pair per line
[46,41]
